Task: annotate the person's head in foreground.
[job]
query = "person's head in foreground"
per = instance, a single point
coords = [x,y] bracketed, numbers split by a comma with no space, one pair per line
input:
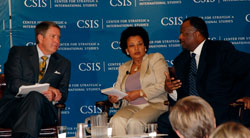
[192,117]
[231,130]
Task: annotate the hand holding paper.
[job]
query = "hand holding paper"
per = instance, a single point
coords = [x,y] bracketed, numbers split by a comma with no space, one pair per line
[113,91]
[24,90]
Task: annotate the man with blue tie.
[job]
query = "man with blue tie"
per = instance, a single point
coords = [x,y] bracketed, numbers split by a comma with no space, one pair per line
[217,74]
[28,65]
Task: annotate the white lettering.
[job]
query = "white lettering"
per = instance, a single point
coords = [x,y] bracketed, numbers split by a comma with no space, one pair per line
[248,17]
[89,66]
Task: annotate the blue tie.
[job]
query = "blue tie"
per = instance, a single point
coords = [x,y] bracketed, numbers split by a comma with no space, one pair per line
[192,76]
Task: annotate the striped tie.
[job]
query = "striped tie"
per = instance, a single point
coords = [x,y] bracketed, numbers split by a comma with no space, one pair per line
[192,76]
[42,67]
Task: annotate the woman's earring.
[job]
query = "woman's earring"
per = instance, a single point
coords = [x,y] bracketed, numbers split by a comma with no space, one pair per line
[145,50]
[127,53]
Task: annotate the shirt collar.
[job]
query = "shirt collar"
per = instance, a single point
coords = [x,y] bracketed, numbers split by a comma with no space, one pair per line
[40,53]
[198,49]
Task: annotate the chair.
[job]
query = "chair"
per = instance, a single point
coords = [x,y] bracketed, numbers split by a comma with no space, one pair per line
[237,111]
[49,132]
[106,105]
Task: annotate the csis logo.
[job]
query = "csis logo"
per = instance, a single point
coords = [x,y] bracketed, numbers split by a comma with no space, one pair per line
[90,66]
[170,21]
[90,109]
[204,1]
[92,24]
[30,44]
[248,17]
[35,3]
[115,45]
[170,62]
[120,3]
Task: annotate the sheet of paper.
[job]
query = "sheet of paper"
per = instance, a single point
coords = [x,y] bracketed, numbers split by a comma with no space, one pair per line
[113,91]
[24,90]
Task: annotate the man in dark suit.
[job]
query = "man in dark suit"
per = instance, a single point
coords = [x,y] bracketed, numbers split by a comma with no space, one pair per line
[220,68]
[28,114]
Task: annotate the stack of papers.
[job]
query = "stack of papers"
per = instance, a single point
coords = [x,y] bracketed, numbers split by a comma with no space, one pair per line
[113,91]
[24,90]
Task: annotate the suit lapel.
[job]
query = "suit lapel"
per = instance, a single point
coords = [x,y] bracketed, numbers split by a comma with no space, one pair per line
[144,66]
[34,61]
[128,67]
[202,61]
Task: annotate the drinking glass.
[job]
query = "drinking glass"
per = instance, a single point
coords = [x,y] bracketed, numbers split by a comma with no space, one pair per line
[152,129]
[61,131]
[81,133]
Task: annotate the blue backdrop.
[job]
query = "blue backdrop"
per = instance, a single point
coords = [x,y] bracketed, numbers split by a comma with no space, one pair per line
[91,31]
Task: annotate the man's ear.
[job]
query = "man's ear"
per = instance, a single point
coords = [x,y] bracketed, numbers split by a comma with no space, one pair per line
[214,123]
[40,38]
[179,134]
[127,51]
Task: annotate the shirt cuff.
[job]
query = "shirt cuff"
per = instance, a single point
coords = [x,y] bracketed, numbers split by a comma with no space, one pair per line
[173,95]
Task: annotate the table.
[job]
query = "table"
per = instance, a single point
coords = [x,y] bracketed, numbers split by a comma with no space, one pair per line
[131,136]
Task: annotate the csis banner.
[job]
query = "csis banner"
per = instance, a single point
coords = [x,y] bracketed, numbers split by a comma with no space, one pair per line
[90,34]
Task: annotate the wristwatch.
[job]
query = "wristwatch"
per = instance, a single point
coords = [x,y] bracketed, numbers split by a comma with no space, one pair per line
[141,93]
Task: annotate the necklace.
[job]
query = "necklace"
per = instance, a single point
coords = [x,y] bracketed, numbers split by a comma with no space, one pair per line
[136,68]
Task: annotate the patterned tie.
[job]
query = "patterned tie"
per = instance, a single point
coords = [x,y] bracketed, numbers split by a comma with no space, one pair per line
[192,76]
[42,67]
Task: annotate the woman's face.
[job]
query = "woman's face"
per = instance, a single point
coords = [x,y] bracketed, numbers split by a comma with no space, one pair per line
[136,48]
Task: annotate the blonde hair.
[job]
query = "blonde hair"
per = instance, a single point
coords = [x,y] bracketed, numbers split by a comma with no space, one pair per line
[231,130]
[192,117]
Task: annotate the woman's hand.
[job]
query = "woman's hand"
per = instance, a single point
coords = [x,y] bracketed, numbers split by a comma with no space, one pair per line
[132,95]
[113,99]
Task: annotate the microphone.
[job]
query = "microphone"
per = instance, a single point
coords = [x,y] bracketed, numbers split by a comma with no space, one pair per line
[127,72]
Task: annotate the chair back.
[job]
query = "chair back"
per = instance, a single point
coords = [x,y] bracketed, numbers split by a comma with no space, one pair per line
[2,85]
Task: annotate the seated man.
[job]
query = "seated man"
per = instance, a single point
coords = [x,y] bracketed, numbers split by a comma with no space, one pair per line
[192,117]
[28,114]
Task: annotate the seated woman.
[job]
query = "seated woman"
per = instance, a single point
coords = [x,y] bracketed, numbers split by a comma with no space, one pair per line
[142,78]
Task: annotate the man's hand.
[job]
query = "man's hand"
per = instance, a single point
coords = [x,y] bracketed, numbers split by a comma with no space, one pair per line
[171,84]
[112,98]
[49,95]
[57,94]
[52,94]
[246,101]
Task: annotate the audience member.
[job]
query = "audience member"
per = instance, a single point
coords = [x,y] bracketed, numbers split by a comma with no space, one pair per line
[231,130]
[142,78]
[192,117]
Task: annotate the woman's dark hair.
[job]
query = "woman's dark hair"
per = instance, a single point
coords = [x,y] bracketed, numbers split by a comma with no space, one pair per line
[199,24]
[133,31]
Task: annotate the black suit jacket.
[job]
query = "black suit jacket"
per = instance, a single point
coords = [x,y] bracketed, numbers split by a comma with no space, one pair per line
[221,71]
[22,68]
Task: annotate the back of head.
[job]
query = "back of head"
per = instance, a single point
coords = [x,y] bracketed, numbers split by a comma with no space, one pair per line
[231,130]
[192,117]
[199,24]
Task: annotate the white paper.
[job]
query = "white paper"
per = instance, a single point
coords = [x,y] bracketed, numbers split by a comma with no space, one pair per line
[113,91]
[24,90]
